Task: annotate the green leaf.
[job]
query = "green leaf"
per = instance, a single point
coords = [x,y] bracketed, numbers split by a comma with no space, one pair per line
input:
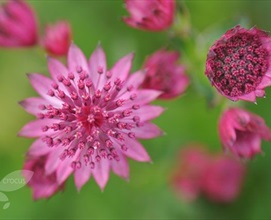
[6,205]
[3,197]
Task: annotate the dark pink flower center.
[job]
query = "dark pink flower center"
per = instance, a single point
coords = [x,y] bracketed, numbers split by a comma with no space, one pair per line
[89,116]
[238,65]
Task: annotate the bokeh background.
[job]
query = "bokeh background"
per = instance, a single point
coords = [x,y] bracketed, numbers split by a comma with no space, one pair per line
[187,119]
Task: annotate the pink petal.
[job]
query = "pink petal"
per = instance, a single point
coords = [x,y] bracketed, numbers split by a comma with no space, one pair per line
[76,59]
[148,112]
[64,169]
[38,148]
[53,161]
[34,128]
[122,68]
[136,79]
[251,97]
[145,96]
[136,151]
[101,173]
[97,62]
[56,68]
[31,105]
[248,145]
[81,176]
[42,85]
[148,130]
[121,167]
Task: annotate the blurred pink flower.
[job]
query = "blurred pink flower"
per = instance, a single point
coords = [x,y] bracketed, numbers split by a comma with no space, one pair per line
[164,74]
[18,25]
[57,38]
[223,179]
[44,185]
[241,132]
[198,172]
[151,15]
[188,174]
[89,117]
[239,64]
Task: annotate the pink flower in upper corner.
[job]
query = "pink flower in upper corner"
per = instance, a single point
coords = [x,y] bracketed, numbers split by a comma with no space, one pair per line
[239,64]
[187,177]
[44,185]
[223,179]
[241,132]
[164,74]
[57,38]
[18,25]
[89,117]
[151,15]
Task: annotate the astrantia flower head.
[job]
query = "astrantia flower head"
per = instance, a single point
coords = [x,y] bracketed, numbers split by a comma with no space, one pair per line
[89,117]
[223,179]
[57,38]
[18,26]
[150,15]
[239,64]
[164,74]
[241,132]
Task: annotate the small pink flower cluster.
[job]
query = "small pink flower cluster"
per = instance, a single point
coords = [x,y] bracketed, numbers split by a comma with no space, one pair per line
[218,177]
[19,28]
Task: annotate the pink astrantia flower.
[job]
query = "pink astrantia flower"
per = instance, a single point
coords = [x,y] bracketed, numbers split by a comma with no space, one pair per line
[241,132]
[43,185]
[151,15]
[18,27]
[223,179]
[239,64]
[89,117]
[57,38]
[164,74]
[187,177]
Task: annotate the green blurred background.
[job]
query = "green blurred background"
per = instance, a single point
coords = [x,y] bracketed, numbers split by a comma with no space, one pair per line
[187,119]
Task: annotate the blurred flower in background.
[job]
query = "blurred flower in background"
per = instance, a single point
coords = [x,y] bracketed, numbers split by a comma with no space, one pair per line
[43,184]
[241,132]
[198,172]
[164,74]
[89,117]
[18,25]
[192,162]
[223,179]
[239,63]
[151,15]
[57,38]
